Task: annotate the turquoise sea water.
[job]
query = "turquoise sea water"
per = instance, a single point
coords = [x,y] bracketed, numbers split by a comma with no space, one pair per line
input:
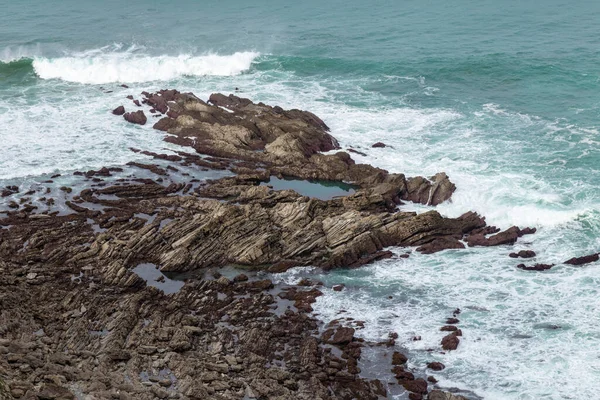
[504,96]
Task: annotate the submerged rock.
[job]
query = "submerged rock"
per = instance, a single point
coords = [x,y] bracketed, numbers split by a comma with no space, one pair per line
[583,260]
[450,342]
[535,267]
[523,254]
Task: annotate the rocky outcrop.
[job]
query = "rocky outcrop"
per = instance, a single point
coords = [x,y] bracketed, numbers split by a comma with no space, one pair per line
[75,319]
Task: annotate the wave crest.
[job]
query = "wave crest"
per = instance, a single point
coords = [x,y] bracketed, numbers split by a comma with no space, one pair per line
[128,68]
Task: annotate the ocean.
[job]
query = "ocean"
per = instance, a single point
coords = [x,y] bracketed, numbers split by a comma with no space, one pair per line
[503,96]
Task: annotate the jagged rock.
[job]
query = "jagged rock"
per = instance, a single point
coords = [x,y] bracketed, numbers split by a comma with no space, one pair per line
[69,276]
[343,335]
[418,385]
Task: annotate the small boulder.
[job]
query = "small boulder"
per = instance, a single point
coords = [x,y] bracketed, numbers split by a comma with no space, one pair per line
[450,342]
[399,358]
[137,117]
[436,366]
[523,254]
[419,385]
[119,110]
[379,145]
[583,260]
[338,288]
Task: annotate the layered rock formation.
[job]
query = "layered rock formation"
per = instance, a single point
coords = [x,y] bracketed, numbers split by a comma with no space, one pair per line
[76,321]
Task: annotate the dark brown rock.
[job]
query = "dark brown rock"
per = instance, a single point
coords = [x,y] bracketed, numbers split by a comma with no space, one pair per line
[523,254]
[536,267]
[448,328]
[450,342]
[340,336]
[419,385]
[119,110]
[379,145]
[436,366]
[399,358]
[137,117]
[583,260]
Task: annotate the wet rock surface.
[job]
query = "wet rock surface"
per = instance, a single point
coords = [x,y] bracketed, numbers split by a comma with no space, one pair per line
[76,320]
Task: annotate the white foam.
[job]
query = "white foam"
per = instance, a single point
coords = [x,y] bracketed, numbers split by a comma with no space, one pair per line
[53,131]
[97,67]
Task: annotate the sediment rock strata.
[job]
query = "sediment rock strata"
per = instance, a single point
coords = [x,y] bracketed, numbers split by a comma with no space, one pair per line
[76,321]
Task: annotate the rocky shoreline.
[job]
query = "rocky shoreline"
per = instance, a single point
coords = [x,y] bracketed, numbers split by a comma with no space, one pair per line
[76,320]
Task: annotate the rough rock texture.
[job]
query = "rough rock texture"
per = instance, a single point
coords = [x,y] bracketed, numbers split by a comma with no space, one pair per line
[76,321]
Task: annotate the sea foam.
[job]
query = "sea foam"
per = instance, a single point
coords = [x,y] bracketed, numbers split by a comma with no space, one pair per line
[125,67]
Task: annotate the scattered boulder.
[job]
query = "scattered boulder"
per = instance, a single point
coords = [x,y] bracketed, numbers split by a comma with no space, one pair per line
[436,366]
[343,335]
[338,288]
[523,254]
[399,358]
[583,260]
[450,342]
[418,385]
[379,145]
[119,110]
[440,244]
[536,267]
[448,328]
[137,117]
